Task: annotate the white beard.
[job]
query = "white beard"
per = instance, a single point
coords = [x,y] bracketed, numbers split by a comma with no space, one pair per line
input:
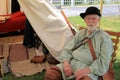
[91,28]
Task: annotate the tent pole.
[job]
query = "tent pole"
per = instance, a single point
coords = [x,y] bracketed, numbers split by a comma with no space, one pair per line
[101,6]
[6,7]
[118,5]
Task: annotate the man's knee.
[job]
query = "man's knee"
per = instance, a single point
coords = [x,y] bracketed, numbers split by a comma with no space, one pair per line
[53,73]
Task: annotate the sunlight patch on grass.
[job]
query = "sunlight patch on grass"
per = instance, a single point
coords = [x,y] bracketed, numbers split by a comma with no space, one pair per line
[113,18]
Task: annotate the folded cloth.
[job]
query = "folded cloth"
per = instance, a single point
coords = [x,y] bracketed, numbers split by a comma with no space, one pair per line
[25,68]
[3,19]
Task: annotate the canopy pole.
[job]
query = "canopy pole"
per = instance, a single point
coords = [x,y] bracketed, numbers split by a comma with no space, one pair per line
[101,6]
[118,5]
[6,7]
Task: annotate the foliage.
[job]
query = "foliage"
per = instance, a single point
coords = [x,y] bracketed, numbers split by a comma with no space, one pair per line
[116,68]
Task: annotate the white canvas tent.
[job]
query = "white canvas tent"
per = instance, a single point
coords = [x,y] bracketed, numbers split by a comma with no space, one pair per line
[48,23]
[5,7]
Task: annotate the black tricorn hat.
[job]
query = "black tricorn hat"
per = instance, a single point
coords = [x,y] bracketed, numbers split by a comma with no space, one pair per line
[91,10]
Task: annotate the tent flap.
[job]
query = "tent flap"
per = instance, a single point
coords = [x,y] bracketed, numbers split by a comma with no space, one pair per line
[48,23]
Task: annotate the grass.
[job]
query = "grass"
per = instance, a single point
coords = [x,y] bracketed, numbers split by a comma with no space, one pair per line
[38,76]
[107,23]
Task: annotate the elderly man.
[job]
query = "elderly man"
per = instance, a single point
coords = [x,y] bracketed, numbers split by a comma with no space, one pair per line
[76,60]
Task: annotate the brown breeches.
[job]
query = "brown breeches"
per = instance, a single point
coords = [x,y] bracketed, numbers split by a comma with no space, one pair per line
[54,73]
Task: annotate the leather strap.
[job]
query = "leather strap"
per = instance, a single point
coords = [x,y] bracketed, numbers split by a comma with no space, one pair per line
[83,41]
[92,49]
[107,75]
[73,30]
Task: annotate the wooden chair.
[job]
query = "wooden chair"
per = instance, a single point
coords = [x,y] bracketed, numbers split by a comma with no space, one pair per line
[1,69]
[115,36]
[1,57]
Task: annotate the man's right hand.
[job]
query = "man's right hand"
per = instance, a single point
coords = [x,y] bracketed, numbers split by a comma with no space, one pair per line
[67,68]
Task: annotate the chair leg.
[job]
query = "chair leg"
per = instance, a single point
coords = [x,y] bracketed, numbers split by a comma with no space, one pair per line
[1,69]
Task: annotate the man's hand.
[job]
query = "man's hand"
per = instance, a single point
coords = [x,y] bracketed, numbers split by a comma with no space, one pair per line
[67,69]
[81,73]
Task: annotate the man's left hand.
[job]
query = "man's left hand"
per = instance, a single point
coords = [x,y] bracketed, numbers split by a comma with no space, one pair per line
[81,73]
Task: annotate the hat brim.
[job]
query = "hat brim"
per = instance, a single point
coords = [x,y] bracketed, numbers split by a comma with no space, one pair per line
[82,15]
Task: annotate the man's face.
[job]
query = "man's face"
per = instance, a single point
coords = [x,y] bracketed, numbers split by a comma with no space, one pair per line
[92,21]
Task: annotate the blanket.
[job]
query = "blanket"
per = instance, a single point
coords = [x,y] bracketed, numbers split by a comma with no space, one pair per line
[17,60]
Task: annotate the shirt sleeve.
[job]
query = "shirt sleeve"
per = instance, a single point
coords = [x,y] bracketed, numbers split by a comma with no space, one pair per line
[101,64]
[67,50]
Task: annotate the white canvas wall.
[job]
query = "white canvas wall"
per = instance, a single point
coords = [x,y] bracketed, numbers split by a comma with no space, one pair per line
[5,7]
[48,23]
